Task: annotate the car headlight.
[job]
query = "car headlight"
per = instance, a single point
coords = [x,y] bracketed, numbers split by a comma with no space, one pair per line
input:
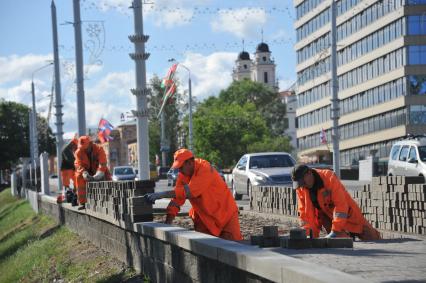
[260,179]
[114,178]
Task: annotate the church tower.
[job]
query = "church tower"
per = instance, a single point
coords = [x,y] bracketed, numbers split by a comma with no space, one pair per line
[263,67]
[243,67]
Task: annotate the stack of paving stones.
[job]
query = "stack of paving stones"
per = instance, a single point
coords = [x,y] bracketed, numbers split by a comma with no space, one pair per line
[296,240]
[276,200]
[395,203]
[120,201]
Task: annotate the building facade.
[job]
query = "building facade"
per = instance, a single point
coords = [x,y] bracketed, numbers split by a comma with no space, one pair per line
[261,69]
[381,58]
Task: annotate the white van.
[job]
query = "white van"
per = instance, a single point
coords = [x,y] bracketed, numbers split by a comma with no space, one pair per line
[408,157]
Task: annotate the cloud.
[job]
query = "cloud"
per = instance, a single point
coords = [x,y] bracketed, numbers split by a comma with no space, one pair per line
[16,67]
[164,13]
[243,23]
[209,74]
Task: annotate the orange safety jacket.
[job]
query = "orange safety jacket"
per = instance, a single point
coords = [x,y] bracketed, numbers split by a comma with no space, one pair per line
[208,194]
[335,202]
[92,161]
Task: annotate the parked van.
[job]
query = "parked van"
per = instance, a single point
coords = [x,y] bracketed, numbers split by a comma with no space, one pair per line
[408,157]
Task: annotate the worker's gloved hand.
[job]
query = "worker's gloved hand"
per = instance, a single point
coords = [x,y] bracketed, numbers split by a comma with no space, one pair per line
[99,176]
[152,197]
[335,234]
[87,176]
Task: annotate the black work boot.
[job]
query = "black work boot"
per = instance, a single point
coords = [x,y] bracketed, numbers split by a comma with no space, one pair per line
[83,206]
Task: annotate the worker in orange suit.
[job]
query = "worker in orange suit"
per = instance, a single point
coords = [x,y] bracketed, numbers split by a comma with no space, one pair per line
[67,164]
[90,165]
[214,210]
[324,202]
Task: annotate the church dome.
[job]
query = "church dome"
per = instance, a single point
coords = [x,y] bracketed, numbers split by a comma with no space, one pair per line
[263,47]
[244,56]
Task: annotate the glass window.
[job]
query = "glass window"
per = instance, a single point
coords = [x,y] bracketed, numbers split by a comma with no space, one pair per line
[413,154]
[404,153]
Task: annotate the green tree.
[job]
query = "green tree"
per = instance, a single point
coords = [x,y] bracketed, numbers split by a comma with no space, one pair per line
[171,116]
[266,100]
[14,133]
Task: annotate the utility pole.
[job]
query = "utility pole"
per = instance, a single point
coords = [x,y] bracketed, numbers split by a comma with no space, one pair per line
[81,109]
[31,127]
[141,91]
[191,145]
[58,99]
[335,98]
[34,124]
[163,143]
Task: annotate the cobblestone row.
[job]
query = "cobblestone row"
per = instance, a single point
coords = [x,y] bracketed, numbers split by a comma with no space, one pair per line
[250,224]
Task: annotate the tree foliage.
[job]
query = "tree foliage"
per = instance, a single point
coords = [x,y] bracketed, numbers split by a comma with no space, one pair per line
[245,117]
[171,119]
[14,133]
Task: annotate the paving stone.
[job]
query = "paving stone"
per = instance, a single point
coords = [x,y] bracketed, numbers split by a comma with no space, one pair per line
[340,243]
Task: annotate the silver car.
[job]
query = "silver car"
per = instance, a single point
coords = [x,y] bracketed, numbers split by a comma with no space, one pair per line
[123,173]
[261,169]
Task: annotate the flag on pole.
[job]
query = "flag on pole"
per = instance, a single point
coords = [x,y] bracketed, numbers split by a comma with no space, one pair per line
[104,130]
[323,137]
[169,86]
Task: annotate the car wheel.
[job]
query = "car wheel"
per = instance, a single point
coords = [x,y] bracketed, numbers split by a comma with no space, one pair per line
[249,188]
[236,195]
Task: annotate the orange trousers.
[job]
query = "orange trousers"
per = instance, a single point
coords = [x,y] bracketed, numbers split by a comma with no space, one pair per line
[231,231]
[81,188]
[369,233]
[67,175]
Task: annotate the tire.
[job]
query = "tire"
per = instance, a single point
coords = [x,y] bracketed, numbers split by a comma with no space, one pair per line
[249,188]
[236,195]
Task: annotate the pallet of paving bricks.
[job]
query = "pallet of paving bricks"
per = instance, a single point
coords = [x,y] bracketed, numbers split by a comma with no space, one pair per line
[121,201]
[394,203]
[277,200]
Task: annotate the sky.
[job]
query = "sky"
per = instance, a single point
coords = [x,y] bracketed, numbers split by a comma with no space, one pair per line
[204,35]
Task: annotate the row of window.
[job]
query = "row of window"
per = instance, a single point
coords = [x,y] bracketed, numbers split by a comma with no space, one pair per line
[371,42]
[353,155]
[358,128]
[373,69]
[360,101]
[313,25]
[313,94]
[367,17]
[341,6]
[354,24]
[416,26]
[417,55]
[314,71]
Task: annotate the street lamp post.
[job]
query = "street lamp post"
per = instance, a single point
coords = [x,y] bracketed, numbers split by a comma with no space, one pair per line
[34,118]
[191,147]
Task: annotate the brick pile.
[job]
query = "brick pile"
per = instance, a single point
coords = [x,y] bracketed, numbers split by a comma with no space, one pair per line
[276,200]
[395,203]
[120,201]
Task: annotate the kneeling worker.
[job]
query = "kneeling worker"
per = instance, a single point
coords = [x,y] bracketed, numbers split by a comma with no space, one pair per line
[324,202]
[214,210]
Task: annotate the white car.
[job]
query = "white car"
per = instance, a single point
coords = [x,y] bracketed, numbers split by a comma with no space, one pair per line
[408,157]
[261,169]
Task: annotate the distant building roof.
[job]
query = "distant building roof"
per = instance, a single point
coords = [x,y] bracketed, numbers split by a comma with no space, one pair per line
[263,47]
[128,123]
[244,56]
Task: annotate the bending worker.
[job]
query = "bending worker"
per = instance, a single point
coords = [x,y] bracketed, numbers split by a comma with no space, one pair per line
[214,210]
[324,202]
[67,164]
[90,165]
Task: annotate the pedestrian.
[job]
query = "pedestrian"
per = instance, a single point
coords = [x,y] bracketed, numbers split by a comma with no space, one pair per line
[324,202]
[68,169]
[214,210]
[90,165]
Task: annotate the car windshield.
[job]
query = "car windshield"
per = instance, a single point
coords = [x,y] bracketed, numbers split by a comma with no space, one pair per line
[270,161]
[124,171]
[422,153]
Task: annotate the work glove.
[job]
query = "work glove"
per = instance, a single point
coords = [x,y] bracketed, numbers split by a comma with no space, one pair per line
[334,234]
[152,197]
[99,176]
[87,176]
